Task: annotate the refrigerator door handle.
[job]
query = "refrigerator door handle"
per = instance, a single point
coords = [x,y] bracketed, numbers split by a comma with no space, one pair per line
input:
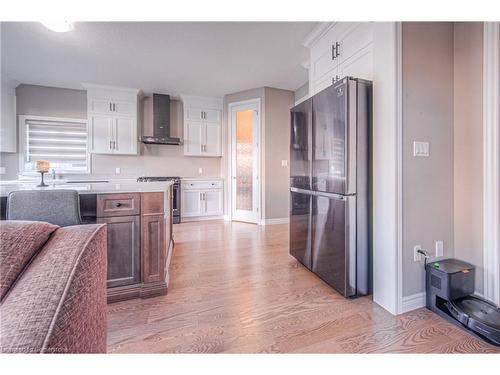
[302,191]
[333,195]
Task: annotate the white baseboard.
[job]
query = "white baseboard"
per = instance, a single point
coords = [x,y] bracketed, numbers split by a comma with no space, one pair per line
[200,218]
[281,220]
[413,302]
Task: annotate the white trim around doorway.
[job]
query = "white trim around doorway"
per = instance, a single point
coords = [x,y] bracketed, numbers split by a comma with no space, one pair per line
[491,161]
[255,101]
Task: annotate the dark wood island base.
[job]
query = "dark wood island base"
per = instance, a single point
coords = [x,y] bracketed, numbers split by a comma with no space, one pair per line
[140,243]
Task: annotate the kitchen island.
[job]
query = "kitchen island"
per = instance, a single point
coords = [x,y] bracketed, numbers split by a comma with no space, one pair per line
[139,223]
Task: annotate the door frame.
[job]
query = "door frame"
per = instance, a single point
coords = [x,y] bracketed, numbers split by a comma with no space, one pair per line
[491,161]
[231,105]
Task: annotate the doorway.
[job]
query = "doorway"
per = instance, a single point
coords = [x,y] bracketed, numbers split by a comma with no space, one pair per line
[245,161]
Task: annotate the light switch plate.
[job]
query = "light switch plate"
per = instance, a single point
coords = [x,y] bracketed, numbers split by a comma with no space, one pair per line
[420,149]
[118,170]
[284,163]
[200,171]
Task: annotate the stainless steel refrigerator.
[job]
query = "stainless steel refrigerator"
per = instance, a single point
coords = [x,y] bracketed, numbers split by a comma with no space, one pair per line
[330,185]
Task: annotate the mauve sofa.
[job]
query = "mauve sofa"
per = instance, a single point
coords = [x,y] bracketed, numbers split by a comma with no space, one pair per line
[52,288]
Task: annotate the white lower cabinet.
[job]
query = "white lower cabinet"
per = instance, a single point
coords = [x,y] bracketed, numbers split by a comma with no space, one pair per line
[213,202]
[202,198]
[191,203]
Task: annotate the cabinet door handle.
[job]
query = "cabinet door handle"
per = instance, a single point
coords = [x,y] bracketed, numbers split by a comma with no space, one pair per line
[335,50]
[110,144]
[114,107]
[110,107]
[114,145]
[335,79]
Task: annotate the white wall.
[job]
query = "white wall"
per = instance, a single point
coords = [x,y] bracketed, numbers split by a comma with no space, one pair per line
[385,168]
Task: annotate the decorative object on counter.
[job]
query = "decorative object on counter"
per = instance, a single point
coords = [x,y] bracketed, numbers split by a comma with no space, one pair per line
[42,166]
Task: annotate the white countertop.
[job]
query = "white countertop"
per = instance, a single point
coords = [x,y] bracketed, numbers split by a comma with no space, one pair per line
[201,178]
[113,186]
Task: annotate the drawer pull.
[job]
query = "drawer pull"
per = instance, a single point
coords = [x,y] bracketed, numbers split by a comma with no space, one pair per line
[118,204]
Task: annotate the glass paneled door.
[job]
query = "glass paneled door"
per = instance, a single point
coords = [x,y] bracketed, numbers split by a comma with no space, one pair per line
[245,190]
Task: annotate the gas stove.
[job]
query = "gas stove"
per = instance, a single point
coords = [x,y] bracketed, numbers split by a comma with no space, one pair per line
[176,194]
[157,179]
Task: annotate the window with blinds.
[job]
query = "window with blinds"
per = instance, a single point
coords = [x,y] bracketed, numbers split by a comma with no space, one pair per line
[63,142]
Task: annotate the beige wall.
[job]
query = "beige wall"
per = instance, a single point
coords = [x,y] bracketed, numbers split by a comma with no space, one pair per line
[158,160]
[277,148]
[275,125]
[427,116]
[468,145]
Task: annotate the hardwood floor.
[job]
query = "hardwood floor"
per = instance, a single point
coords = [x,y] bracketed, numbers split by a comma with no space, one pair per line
[235,289]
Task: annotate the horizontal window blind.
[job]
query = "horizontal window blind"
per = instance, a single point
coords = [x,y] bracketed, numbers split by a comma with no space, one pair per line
[62,143]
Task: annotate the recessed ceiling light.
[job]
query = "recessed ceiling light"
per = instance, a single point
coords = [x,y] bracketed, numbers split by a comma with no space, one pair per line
[58,26]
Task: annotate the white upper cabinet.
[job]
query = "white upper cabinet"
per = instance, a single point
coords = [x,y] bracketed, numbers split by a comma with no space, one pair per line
[202,126]
[125,135]
[112,115]
[8,116]
[192,137]
[337,50]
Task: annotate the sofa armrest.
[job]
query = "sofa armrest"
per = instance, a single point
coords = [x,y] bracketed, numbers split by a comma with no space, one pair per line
[59,303]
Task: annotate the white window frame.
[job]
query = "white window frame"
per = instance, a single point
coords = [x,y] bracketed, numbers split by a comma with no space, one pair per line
[22,119]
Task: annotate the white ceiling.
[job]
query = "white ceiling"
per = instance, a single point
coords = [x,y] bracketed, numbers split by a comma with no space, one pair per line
[198,58]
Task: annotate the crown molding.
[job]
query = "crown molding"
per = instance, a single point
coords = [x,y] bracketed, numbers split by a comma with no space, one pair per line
[321,29]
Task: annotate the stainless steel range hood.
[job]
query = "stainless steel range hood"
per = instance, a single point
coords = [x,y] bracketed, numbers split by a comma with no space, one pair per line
[156,124]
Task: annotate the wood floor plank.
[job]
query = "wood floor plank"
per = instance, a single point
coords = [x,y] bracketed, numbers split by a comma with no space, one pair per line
[235,289]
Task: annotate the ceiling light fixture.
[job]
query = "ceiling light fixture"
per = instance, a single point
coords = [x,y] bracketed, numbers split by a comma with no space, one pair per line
[58,26]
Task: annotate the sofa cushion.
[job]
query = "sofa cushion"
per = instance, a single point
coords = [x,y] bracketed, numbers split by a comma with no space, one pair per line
[20,241]
[58,305]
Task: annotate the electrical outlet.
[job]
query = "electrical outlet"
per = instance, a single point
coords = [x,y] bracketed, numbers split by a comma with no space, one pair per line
[200,171]
[284,163]
[118,170]
[439,248]
[417,257]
